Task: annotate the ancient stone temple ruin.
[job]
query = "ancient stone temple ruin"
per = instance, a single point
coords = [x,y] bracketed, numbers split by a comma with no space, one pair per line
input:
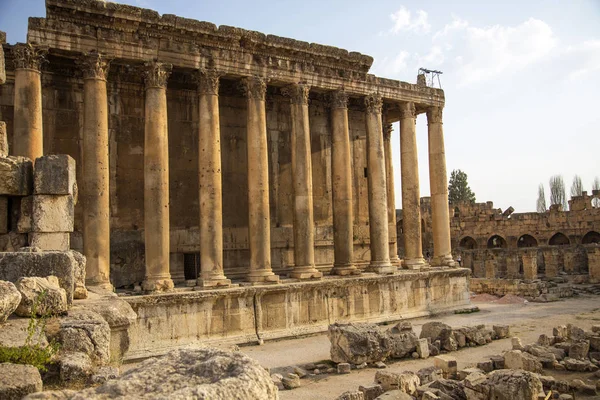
[255,169]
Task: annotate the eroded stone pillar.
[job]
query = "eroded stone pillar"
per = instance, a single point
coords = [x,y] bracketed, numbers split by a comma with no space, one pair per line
[259,225]
[28,138]
[411,206]
[156,178]
[438,182]
[95,159]
[304,227]
[341,169]
[209,167]
[378,215]
[391,196]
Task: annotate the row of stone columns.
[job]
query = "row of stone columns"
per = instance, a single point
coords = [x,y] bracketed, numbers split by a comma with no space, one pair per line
[96,231]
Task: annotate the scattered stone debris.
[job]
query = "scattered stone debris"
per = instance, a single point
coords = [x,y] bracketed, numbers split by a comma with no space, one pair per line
[17,381]
[10,298]
[44,294]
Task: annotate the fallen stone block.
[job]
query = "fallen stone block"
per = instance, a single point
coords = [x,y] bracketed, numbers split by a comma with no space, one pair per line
[371,392]
[507,384]
[501,331]
[54,174]
[515,359]
[395,395]
[463,373]
[448,388]
[595,343]
[104,374]
[579,350]
[52,213]
[10,298]
[545,340]
[575,332]
[50,241]
[357,343]
[15,333]
[41,296]
[86,332]
[485,366]
[560,331]
[75,367]
[498,362]
[406,381]
[447,364]
[17,381]
[187,373]
[423,348]
[351,395]
[429,374]
[291,381]
[402,340]
[516,343]
[584,388]
[80,291]
[572,364]
[343,368]
[301,372]
[15,265]
[16,176]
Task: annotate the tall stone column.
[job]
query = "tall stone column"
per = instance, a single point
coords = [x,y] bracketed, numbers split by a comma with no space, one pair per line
[341,169]
[28,140]
[378,215]
[438,180]
[391,196]
[259,224]
[156,178]
[304,226]
[411,202]
[209,167]
[95,158]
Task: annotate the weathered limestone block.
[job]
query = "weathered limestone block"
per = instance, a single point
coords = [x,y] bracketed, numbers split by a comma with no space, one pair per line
[9,299]
[575,333]
[3,214]
[358,343]
[406,381]
[395,395]
[54,174]
[183,374]
[24,219]
[501,331]
[423,348]
[15,265]
[515,359]
[80,291]
[579,350]
[52,213]
[17,381]
[530,264]
[514,385]
[291,381]
[371,392]
[595,343]
[594,264]
[104,374]
[429,374]
[44,294]
[403,340]
[436,330]
[65,394]
[12,241]
[14,333]
[572,364]
[75,367]
[3,138]
[86,332]
[447,364]
[351,395]
[50,241]
[16,176]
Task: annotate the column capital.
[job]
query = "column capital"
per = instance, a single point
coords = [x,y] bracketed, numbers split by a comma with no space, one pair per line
[387,131]
[94,65]
[297,92]
[408,110]
[338,99]
[434,115]
[29,56]
[208,81]
[374,103]
[254,87]
[156,74]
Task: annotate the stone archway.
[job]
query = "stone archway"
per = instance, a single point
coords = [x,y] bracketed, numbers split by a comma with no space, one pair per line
[527,241]
[591,237]
[496,242]
[468,243]
[559,239]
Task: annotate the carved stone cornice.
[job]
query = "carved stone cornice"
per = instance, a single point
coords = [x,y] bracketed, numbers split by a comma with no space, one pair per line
[156,74]
[28,56]
[338,99]
[94,66]
[387,131]
[254,87]
[374,103]
[408,110]
[434,115]
[208,81]
[297,92]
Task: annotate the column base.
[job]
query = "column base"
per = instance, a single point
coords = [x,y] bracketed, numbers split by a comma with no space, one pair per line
[305,272]
[381,267]
[415,263]
[157,285]
[266,278]
[99,284]
[395,261]
[213,282]
[444,261]
[345,270]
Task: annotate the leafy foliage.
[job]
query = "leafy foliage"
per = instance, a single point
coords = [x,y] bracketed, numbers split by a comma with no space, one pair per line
[541,201]
[557,191]
[577,186]
[458,188]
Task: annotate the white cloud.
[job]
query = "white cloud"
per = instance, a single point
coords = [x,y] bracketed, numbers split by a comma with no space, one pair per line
[587,55]
[392,66]
[404,21]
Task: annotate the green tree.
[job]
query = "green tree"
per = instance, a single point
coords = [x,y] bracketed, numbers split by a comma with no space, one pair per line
[458,188]
[541,201]
[577,186]
[557,191]
[596,186]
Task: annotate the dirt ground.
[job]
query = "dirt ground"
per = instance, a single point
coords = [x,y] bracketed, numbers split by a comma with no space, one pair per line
[527,321]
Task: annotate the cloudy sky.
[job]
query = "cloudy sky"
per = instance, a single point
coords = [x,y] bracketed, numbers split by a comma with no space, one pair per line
[521,78]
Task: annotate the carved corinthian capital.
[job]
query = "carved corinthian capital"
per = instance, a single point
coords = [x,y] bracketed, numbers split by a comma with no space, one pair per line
[407,110]
[94,66]
[29,56]
[374,103]
[338,99]
[434,115]
[156,74]
[208,81]
[297,92]
[387,131]
[254,87]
